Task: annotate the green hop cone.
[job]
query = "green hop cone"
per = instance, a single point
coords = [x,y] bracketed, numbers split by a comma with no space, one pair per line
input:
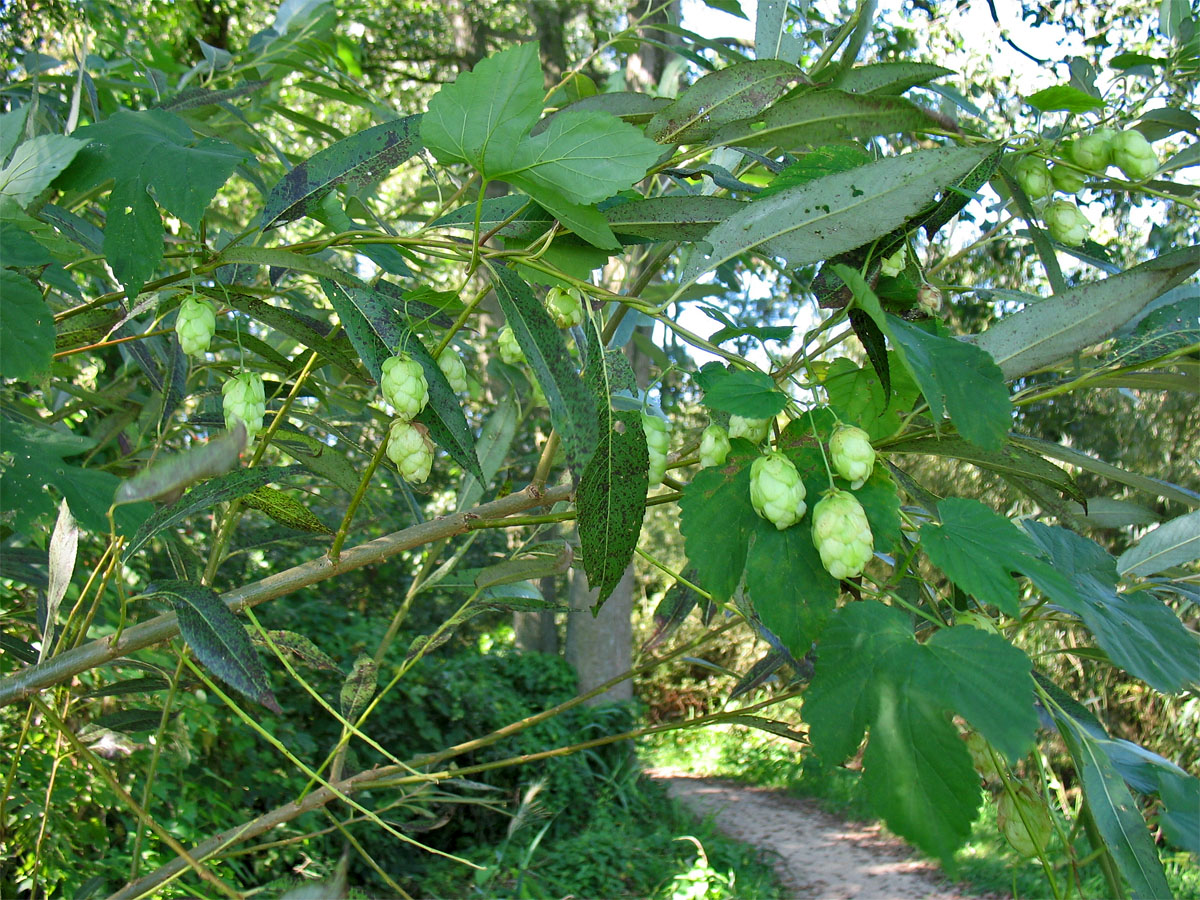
[753,430]
[1066,223]
[1034,177]
[196,324]
[776,490]
[852,455]
[894,264]
[244,400]
[454,369]
[714,446]
[983,757]
[842,534]
[404,386]
[1024,821]
[1133,155]
[1094,151]
[411,450]
[658,442]
[1067,180]
[566,307]
[510,350]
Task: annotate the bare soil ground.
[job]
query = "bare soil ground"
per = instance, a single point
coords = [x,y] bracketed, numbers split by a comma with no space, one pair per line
[815,854]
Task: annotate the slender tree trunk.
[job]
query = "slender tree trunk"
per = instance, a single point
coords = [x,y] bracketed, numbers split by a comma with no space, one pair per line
[535,631]
[600,647]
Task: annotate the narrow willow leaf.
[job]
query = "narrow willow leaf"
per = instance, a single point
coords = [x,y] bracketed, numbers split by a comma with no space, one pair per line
[827,216]
[217,638]
[310,332]
[1116,815]
[872,338]
[760,673]
[195,98]
[481,117]
[631,107]
[174,473]
[827,117]
[1155,487]
[572,408]
[286,259]
[359,687]
[1137,630]
[552,558]
[772,37]
[64,544]
[671,612]
[721,97]
[1013,461]
[297,646]
[514,215]
[890,77]
[356,161]
[217,490]
[1073,320]
[822,161]
[1174,543]
[959,194]
[611,501]
[675,218]
[174,382]
[285,510]
[145,685]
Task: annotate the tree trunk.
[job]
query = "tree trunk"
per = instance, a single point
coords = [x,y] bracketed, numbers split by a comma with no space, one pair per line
[535,632]
[601,647]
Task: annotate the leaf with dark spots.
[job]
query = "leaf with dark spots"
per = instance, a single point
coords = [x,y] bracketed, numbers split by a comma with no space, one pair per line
[611,501]
[875,344]
[572,407]
[525,219]
[218,639]
[721,97]
[200,97]
[310,332]
[357,162]
[174,473]
[671,612]
[676,218]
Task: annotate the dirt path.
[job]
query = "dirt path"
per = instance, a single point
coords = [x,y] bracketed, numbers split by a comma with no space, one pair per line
[815,854]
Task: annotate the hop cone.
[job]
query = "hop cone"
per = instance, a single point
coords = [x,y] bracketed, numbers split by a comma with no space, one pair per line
[196,324]
[658,442]
[1066,223]
[842,534]
[776,490]
[754,430]
[1094,151]
[404,386]
[566,307]
[714,446]
[852,455]
[1067,180]
[1034,177]
[510,350]
[1024,821]
[454,369]
[411,450]
[1133,155]
[244,400]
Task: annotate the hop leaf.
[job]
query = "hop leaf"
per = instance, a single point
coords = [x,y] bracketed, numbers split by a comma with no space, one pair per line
[410,448]
[842,534]
[714,446]
[404,386]
[244,399]
[196,324]
[1133,155]
[510,350]
[1066,223]
[754,430]
[454,369]
[566,307]
[1034,177]
[658,442]
[852,455]
[776,490]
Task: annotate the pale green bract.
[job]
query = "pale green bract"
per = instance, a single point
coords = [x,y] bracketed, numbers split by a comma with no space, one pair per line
[753,430]
[195,325]
[842,534]
[454,369]
[852,455]
[1133,155]
[411,450]
[1066,223]
[565,307]
[658,443]
[510,350]
[1034,177]
[404,386]
[244,400]
[714,446]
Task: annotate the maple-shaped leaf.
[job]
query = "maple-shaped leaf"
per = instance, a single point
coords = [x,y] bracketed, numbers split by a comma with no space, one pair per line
[154,160]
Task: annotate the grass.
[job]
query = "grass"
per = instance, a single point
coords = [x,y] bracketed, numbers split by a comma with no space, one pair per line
[986,864]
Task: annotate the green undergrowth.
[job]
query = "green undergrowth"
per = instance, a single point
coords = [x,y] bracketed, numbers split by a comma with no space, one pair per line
[985,865]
